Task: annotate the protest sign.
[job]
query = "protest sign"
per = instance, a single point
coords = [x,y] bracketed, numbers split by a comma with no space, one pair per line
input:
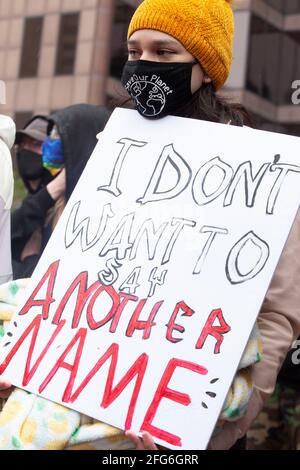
[142,304]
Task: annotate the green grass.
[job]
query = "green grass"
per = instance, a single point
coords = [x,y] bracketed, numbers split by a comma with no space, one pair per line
[19,192]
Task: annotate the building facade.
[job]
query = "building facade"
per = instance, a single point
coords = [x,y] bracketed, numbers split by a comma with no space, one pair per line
[266,64]
[54,53]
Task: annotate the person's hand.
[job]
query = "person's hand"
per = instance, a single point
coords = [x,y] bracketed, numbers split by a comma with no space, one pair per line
[232,431]
[144,443]
[5,388]
[57,187]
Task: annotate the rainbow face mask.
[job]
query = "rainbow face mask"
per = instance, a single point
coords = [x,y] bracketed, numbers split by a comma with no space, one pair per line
[53,157]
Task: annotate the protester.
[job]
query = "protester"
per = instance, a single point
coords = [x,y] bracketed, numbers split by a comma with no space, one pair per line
[29,143]
[30,216]
[7,135]
[188,45]
[52,153]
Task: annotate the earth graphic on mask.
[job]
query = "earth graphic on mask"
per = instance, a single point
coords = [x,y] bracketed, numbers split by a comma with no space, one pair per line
[149,98]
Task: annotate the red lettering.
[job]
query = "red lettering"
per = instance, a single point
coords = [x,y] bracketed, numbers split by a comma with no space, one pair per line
[82,296]
[34,329]
[216,331]
[28,374]
[187,312]
[164,392]
[110,394]
[115,304]
[49,277]
[125,298]
[73,368]
[136,324]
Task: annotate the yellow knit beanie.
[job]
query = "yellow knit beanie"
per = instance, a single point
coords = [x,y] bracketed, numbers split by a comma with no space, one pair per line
[204,27]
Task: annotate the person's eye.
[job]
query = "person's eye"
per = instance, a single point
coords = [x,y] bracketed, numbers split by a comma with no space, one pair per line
[133,54]
[165,52]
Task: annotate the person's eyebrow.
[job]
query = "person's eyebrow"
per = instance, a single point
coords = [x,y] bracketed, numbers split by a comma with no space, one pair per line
[157,42]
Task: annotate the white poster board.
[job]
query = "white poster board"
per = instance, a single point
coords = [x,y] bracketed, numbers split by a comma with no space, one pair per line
[142,304]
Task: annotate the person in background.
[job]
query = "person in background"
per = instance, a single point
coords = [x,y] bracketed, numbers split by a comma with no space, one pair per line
[7,136]
[28,219]
[52,153]
[29,143]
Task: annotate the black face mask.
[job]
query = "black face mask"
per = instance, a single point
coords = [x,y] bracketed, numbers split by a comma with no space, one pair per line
[29,164]
[158,89]
[31,169]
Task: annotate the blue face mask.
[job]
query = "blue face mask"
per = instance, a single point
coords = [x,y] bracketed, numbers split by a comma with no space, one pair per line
[53,157]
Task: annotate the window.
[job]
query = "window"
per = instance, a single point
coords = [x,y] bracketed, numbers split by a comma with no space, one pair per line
[287,7]
[274,62]
[31,47]
[67,44]
[263,65]
[276,4]
[289,63]
[123,14]
[291,7]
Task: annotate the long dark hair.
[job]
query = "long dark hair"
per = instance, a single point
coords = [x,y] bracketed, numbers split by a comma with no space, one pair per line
[206,105]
